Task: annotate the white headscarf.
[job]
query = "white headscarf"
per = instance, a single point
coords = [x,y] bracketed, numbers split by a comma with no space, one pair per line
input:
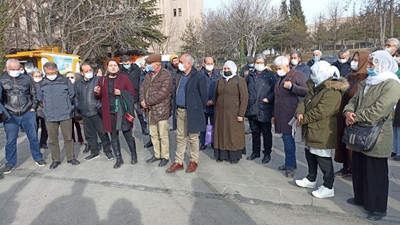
[323,71]
[385,66]
[233,68]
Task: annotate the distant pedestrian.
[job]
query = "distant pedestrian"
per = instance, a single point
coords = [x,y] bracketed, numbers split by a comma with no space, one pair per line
[343,63]
[296,63]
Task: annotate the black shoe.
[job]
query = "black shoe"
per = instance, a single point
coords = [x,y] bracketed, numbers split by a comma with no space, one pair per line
[266,159]
[92,156]
[41,163]
[352,201]
[54,165]
[234,161]
[253,156]
[152,159]
[393,154]
[73,162]
[283,167]
[163,162]
[289,173]
[133,161]
[86,150]
[376,216]
[203,147]
[219,160]
[145,132]
[7,169]
[109,155]
[396,158]
[118,163]
[44,146]
[149,144]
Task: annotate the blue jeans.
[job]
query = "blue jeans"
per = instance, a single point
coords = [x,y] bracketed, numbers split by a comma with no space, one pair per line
[290,150]
[11,126]
[396,140]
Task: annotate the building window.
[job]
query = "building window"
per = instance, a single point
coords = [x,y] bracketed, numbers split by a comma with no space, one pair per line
[180,12]
[174,12]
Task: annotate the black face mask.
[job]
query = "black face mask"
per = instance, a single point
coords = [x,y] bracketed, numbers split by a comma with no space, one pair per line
[113,74]
[227,73]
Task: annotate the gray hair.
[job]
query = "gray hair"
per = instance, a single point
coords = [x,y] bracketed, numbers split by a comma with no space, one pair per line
[343,51]
[50,65]
[261,56]
[318,51]
[395,41]
[9,61]
[295,52]
[189,58]
[36,70]
[281,61]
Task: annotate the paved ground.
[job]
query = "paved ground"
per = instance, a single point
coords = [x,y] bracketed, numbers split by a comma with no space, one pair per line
[217,193]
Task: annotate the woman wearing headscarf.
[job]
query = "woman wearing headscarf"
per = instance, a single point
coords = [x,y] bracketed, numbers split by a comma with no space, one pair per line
[230,99]
[372,103]
[358,73]
[317,115]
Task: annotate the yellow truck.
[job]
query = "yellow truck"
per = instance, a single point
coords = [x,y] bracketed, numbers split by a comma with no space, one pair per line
[37,58]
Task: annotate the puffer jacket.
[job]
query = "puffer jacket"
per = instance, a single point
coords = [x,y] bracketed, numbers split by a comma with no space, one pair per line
[85,102]
[266,81]
[377,103]
[319,109]
[156,91]
[19,94]
[57,97]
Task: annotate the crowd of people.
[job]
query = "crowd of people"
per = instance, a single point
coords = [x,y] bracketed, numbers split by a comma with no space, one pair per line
[316,99]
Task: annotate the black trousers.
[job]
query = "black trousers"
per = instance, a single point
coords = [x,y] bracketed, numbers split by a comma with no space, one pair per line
[114,133]
[326,165]
[370,181]
[139,115]
[258,128]
[93,127]
[43,134]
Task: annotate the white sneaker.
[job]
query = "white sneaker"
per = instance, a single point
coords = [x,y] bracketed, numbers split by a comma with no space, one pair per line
[306,183]
[324,192]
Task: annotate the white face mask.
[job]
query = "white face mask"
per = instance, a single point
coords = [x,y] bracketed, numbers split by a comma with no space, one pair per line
[181,67]
[342,60]
[37,79]
[259,67]
[89,75]
[388,49]
[209,68]
[354,65]
[14,73]
[51,77]
[281,73]
[72,80]
[294,62]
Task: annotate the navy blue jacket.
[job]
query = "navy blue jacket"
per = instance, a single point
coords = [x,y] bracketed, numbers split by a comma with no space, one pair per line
[304,68]
[344,68]
[211,84]
[266,81]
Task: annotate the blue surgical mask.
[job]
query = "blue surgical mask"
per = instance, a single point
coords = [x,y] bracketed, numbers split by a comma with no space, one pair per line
[127,67]
[371,72]
[315,58]
[149,68]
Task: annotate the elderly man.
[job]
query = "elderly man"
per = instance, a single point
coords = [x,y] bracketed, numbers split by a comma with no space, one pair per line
[89,108]
[290,85]
[133,72]
[191,98]
[248,68]
[317,56]
[155,98]
[392,44]
[56,94]
[19,98]
[211,76]
[343,63]
[296,63]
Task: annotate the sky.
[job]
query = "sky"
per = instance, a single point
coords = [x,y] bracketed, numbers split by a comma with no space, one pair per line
[311,8]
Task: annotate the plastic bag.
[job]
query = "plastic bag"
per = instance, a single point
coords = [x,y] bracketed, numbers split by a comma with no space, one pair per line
[209,135]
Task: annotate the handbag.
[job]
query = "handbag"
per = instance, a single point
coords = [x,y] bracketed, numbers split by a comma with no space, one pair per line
[362,137]
[209,134]
[127,115]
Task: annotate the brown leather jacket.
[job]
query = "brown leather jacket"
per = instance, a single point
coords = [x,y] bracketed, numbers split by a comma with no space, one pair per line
[156,91]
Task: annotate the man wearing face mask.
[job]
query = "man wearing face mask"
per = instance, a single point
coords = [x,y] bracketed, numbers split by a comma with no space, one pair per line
[211,76]
[391,46]
[133,72]
[56,95]
[343,63]
[296,63]
[291,84]
[19,98]
[89,108]
[317,56]
[249,67]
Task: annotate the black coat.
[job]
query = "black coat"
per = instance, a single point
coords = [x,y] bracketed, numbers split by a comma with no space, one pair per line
[134,76]
[266,81]
[344,68]
[85,102]
[196,99]
[211,84]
